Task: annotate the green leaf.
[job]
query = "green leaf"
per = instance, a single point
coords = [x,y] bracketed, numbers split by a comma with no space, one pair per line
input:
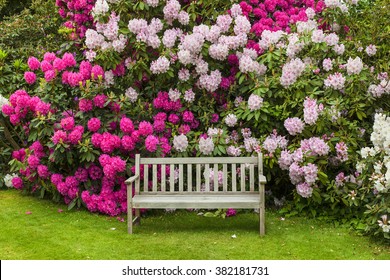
[72,204]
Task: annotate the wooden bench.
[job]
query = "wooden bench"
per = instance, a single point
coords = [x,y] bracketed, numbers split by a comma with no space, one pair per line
[193,187]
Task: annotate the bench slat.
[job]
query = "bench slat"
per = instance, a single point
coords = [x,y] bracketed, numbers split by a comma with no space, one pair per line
[180,177]
[199,160]
[225,176]
[137,171]
[251,177]
[207,177]
[242,185]
[146,178]
[171,178]
[215,177]
[189,177]
[234,177]
[163,177]
[154,188]
[198,178]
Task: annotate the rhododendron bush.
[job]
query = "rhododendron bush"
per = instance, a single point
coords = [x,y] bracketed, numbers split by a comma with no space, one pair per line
[199,78]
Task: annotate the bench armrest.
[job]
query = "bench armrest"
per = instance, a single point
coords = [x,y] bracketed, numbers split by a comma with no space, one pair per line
[262,179]
[131,179]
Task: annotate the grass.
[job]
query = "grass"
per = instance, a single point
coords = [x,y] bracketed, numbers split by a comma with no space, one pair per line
[33,229]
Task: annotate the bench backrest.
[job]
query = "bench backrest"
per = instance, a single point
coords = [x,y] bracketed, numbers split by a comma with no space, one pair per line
[183,175]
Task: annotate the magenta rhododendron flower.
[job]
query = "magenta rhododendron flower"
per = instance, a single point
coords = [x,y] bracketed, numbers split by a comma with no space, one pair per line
[30,77]
[94,124]
[126,125]
[33,63]
[151,143]
[17,182]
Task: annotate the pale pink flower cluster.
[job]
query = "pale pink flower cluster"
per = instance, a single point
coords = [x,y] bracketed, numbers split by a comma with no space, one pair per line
[306,26]
[189,95]
[251,144]
[337,4]
[342,151]
[285,160]
[269,38]
[310,13]
[311,110]
[339,49]
[335,81]
[354,66]
[241,25]
[291,72]
[380,89]
[152,3]
[318,36]
[159,66]
[294,45]
[234,42]
[169,38]
[131,94]
[184,74]
[304,190]
[315,146]
[235,10]
[218,51]
[247,65]
[210,82]
[255,102]
[171,10]
[331,39]
[219,176]
[183,18]
[224,22]
[233,151]
[145,32]
[371,50]
[106,36]
[327,64]
[294,126]
[275,141]
[101,7]
[206,146]
[180,143]
[174,94]
[231,120]
[192,43]
[214,132]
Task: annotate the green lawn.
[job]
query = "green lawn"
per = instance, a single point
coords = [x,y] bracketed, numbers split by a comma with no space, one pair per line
[35,229]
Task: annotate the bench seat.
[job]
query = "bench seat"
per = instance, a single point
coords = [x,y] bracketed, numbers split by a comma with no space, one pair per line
[197,200]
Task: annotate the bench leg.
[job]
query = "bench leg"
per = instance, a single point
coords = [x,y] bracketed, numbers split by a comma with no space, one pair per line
[262,211]
[130,220]
[137,220]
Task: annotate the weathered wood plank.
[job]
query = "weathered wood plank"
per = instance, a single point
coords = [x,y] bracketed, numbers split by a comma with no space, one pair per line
[252,177]
[207,177]
[189,177]
[242,185]
[146,178]
[243,201]
[199,160]
[137,172]
[234,177]
[225,176]
[163,177]
[198,177]
[154,186]
[171,178]
[180,177]
[215,177]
